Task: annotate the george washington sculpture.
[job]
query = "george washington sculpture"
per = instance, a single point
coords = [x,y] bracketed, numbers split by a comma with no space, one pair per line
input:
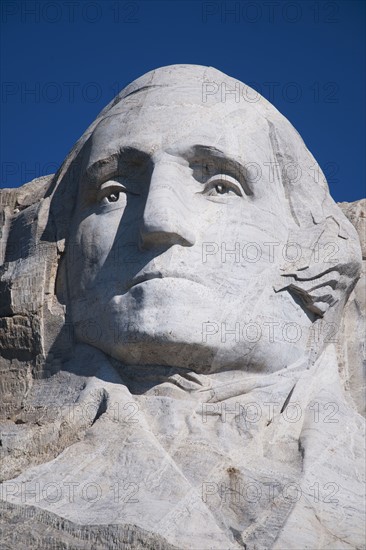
[171,304]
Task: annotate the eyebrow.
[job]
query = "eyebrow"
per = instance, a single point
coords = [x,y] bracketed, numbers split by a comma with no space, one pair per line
[112,164]
[232,166]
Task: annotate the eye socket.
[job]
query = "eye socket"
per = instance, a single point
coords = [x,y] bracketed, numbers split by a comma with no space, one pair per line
[223,184]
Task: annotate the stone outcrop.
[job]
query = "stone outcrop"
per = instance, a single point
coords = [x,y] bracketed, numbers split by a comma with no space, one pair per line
[351,345]
[24,527]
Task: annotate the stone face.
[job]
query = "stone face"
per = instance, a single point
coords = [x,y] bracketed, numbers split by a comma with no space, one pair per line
[181,328]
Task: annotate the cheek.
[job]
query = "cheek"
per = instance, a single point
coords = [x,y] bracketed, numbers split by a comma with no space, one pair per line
[95,241]
[89,248]
[241,242]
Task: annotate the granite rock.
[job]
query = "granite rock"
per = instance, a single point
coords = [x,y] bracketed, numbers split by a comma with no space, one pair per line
[181,328]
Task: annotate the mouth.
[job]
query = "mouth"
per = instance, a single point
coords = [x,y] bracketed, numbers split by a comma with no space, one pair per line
[144,277]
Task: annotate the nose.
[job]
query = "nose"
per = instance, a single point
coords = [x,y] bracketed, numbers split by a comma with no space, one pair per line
[167,214]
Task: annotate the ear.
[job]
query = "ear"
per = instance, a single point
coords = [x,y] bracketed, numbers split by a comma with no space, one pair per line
[321,265]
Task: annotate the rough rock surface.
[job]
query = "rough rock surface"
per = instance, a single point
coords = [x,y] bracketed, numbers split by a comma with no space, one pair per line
[351,347]
[161,441]
[32,528]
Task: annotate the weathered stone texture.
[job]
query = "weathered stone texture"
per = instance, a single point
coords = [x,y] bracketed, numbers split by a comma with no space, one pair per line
[107,382]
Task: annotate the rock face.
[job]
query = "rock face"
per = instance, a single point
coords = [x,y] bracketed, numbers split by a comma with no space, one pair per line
[351,342]
[181,330]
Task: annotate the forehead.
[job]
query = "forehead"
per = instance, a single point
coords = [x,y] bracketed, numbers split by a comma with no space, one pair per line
[168,118]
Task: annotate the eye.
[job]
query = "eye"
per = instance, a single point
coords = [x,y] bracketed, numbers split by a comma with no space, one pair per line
[109,194]
[221,189]
[112,191]
[223,184]
[113,197]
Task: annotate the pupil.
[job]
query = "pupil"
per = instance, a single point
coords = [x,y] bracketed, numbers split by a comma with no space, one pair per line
[113,197]
[220,189]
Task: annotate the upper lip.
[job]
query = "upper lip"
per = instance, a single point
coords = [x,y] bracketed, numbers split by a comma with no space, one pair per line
[161,274]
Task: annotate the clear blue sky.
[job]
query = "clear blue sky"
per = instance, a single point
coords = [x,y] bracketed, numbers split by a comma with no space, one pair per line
[62,62]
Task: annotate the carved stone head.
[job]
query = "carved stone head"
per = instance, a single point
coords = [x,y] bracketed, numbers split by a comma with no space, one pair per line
[199,230]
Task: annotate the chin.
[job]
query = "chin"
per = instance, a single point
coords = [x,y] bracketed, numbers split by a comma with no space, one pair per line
[156,345]
[145,350]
